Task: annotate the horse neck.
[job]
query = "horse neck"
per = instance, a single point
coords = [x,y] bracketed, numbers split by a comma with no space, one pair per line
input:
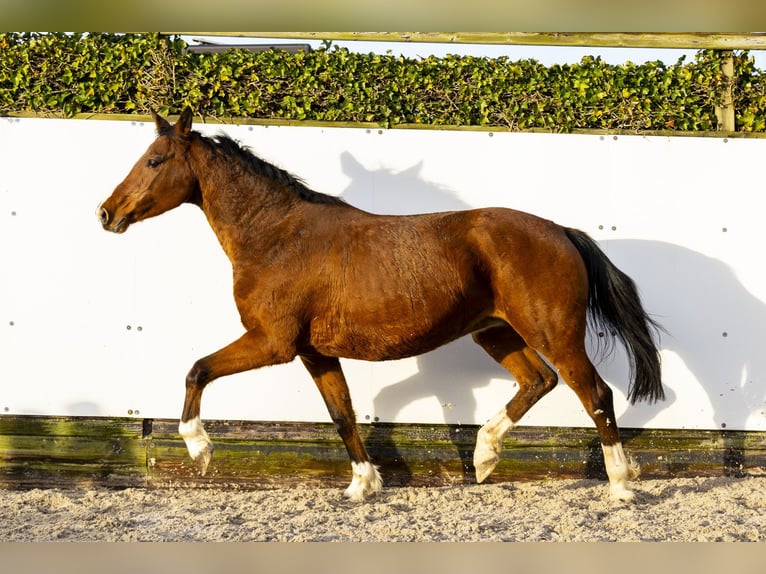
[239,205]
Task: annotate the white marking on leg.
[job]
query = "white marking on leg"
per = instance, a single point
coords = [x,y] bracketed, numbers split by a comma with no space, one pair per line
[489,443]
[619,470]
[197,442]
[366,481]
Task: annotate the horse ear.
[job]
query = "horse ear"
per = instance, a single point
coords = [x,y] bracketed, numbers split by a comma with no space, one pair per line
[159,121]
[183,125]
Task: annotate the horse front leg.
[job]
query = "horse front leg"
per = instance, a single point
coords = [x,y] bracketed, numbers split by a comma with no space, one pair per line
[250,351]
[329,379]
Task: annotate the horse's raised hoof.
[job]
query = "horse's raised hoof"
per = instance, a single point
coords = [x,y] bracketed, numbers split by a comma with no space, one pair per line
[486,456]
[489,444]
[485,468]
[203,459]
[366,481]
[197,443]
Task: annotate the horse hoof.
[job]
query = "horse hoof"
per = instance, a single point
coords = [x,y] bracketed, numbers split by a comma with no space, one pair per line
[485,459]
[484,469]
[197,443]
[203,459]
[619,493]
[366,481]
[489,444]
[354,495]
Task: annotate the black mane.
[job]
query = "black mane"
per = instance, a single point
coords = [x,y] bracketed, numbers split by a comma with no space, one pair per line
[230,147]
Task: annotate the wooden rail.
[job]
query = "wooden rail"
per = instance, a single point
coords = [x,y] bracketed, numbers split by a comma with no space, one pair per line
[694,41]
[63,452]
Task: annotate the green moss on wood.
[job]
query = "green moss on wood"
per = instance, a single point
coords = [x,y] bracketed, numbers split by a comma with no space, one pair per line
[66,451]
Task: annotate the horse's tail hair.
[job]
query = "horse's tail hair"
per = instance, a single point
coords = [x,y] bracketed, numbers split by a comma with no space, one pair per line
[614,309]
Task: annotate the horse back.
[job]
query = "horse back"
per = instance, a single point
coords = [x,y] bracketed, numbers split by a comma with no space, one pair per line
[376,287]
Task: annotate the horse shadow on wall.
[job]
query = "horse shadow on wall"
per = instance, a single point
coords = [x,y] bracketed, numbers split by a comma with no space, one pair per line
[714,326]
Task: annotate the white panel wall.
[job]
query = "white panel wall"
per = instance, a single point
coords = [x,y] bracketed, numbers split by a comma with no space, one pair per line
[97,324]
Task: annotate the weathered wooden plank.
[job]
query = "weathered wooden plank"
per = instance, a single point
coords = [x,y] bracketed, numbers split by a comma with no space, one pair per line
[265,454]
[37,425]
[410,127]
[76,451]
[37,451]
[689,40]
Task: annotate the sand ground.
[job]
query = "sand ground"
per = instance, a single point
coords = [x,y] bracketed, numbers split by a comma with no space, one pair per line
[684,509]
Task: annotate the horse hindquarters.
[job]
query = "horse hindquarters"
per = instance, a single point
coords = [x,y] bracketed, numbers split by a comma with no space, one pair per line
[545,292]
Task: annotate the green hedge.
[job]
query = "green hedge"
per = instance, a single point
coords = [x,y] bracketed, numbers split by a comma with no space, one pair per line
[65,75]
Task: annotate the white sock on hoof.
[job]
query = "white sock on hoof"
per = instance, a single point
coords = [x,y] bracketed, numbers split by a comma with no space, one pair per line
[619,471]
[366,481]
[489,443]
[197,442]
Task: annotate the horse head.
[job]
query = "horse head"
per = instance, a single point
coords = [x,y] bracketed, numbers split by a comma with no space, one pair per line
[160,180]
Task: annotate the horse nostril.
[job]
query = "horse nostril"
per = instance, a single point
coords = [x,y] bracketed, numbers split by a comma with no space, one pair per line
[103,215]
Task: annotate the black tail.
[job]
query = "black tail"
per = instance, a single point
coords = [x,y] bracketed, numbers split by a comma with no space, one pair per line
[615,309]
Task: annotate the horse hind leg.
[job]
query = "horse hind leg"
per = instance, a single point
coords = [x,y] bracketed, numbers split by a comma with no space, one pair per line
[535,379]
[596,396]
[329,379]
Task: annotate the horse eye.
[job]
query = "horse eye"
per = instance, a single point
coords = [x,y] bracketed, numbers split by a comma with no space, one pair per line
[153,162]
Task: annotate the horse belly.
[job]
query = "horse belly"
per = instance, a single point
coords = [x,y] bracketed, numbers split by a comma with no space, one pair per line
[388,331]
[399,287]
[382,344]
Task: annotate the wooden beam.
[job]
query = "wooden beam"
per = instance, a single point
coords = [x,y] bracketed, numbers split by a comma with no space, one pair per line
[724,111]
[40,451]
[75,451]
[696,41]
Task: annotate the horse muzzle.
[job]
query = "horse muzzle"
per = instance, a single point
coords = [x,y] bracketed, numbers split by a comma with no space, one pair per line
[109,223]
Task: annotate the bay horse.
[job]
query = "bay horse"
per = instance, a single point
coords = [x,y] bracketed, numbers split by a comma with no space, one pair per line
[319,279]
